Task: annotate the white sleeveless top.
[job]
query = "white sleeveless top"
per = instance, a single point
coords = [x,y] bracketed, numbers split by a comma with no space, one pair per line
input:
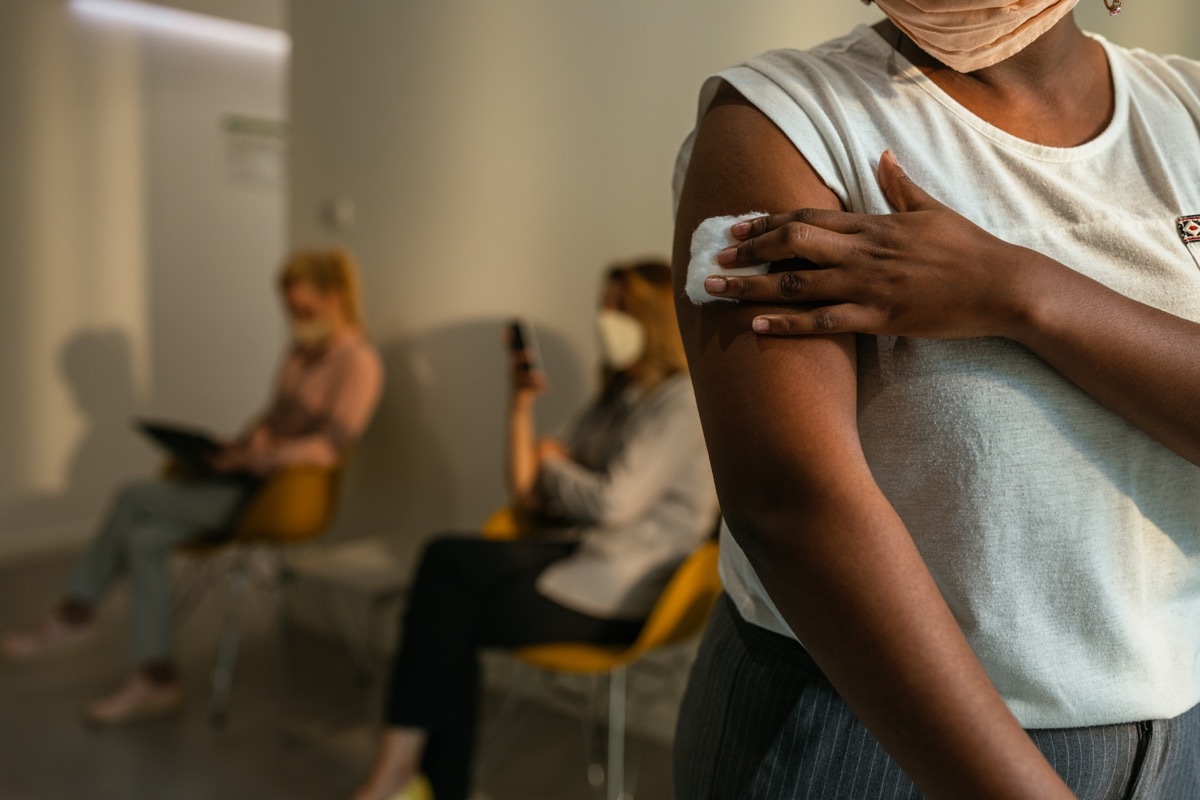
[1066,542]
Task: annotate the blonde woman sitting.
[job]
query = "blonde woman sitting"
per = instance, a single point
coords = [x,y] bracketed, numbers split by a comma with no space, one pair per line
[325,395]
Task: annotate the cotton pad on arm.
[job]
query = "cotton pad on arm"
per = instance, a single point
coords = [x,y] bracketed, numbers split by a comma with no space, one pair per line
[711,237]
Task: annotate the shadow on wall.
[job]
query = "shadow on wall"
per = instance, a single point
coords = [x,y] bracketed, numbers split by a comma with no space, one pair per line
[432,460]
[97,366]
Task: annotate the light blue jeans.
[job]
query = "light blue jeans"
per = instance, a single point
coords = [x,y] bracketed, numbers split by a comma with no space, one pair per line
[146,523]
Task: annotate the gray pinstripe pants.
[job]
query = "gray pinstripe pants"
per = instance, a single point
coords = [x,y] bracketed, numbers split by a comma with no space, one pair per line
[760,722]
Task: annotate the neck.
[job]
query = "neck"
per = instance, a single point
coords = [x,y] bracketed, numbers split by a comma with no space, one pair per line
[1057,91]
[339,326]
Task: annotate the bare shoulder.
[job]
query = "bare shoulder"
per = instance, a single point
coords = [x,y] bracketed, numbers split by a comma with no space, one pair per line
[364,358]
[802,390]
[741,162]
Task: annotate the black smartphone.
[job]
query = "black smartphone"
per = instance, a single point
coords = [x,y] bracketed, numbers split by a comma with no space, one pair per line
[523,344]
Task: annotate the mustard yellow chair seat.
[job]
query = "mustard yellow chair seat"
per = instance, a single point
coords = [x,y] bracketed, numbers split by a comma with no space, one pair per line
[293,506]
[296,504]
[680,613]
[505,524]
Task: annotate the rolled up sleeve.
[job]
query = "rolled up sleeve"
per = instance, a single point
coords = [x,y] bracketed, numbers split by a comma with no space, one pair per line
[357,396]
[648,462]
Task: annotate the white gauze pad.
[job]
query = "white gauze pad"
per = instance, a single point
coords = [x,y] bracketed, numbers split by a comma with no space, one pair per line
[711,237]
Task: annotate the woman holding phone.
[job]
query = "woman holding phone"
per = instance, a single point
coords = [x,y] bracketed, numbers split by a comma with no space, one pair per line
[632,484]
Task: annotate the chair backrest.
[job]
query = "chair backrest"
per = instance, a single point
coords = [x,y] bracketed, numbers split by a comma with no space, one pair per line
[295,504]
[682,609]
[503,525]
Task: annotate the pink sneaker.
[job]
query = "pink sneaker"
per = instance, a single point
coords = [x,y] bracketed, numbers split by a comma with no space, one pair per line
[137,699]
[54,634]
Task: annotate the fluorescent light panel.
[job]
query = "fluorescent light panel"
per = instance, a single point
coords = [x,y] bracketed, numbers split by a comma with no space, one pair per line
[187,23]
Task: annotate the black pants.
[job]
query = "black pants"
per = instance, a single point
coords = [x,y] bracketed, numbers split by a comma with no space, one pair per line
[761,722]
[470,594]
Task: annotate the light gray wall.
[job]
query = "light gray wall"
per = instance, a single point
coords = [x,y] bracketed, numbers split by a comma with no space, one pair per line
[267,13]
[1161,26]
[498,156]
[136,263]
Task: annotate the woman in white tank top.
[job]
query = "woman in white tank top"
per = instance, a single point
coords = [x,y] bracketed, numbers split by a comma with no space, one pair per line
[981,514]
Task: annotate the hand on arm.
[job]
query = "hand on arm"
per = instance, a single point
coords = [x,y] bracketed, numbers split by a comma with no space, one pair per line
[780,421]
[927,272]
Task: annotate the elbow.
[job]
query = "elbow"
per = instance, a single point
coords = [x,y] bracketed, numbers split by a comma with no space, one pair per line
[767,528]
[611,512]
[752,536]
[614,506]
[525,499]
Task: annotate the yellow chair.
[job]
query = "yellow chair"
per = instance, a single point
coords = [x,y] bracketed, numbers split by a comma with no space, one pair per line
[680,613]
[505,524]
[293,506]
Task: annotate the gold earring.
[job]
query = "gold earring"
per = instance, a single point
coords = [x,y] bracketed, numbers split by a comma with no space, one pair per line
[1113,6]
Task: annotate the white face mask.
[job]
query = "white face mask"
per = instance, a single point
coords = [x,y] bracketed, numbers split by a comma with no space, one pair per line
[310,334]
[967,35]
[622,339]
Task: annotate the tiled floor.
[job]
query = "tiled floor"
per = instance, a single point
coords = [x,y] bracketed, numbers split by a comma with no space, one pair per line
[46,754]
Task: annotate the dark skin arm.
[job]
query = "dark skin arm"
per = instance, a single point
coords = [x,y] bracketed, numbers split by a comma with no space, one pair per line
[779,417]
[926,271]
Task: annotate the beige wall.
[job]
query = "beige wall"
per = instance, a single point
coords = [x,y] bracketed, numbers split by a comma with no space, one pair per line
[497,156]
[1162,26]
[267,13]
[135,270]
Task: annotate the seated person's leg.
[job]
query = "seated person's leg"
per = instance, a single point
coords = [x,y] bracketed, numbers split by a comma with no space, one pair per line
[91,577]
[468,594]
[163,516]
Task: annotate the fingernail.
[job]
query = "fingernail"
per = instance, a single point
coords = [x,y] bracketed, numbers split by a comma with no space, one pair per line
[727,256]
[890,156]
[715,284]
[740,229]
[761,325]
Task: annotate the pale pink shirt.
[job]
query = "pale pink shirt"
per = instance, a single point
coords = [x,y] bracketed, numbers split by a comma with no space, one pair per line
[322,404]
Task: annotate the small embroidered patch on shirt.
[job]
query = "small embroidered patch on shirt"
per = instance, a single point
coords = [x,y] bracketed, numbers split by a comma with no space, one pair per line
[1189,228]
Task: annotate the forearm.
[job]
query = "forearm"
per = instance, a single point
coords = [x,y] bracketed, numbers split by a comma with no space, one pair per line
[1136,360]
[847,578]
[578,493]
[318,450]
[650,457]
[522,465]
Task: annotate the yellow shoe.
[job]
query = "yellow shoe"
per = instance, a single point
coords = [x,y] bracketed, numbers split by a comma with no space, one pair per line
[418,789]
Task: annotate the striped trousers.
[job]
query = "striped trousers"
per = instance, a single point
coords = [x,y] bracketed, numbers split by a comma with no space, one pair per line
[760,722]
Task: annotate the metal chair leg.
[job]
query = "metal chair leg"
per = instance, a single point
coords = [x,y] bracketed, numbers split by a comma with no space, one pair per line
[502,726]
[591,724]
[616,735]
[227,649]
